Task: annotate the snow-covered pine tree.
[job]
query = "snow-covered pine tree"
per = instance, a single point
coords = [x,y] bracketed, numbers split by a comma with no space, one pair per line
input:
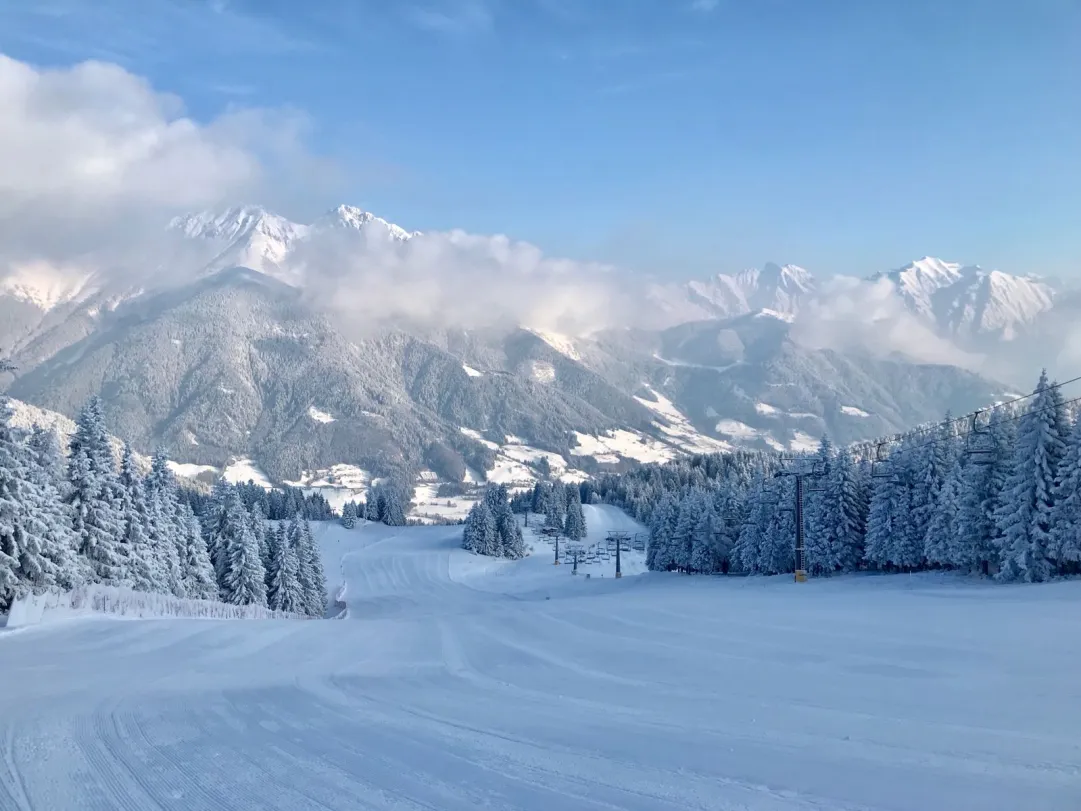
[553,521]
[166,529]
[848,497]
[214,524]
[512,542]
[682,538]
[705,535]
[349,515]
[749,552]
[243,579]
[62,566]
[942,531]
[393,512]
[540,500]
[316,599]
[92,494]
[258,526]
[1065,532]
[574,526]
[1027,499]
[13,486]
[820,542]
[283,577]
[479,532]
[143,569]
[931,463]
[197,572]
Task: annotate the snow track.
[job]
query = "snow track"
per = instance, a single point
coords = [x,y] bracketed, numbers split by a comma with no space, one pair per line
[462,683]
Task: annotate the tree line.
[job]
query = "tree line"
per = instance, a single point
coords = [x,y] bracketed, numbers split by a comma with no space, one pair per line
[79,517]
[1001,496]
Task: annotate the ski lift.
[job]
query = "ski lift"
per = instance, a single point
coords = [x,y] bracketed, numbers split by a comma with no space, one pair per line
[880,464]
[979,444]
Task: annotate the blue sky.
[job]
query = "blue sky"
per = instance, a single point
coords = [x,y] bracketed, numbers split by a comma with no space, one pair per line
[676,136]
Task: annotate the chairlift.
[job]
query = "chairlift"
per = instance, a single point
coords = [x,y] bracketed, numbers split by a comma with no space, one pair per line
[880,464]
[979,444]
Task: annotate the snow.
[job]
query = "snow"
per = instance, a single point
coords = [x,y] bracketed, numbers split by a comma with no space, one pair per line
[803,442]
[98,600]
[737,429]
[190,471]
[320,416]
[852,411]
[44,285]
[458,683]
[609,447]
[542,371]
[678,429]
[563,344]
[338,484]
[476,435]
[428,506]
[469,370]
[241,471]
[766,409]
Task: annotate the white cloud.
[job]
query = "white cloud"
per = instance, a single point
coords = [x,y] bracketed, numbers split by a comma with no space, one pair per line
[456,279]
[93,159]
[95,134]
[864,316]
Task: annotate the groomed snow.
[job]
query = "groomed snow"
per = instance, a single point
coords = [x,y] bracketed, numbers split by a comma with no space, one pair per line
[458,683]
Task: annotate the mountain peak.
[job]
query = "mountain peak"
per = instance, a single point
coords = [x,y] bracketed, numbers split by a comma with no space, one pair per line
[346,216]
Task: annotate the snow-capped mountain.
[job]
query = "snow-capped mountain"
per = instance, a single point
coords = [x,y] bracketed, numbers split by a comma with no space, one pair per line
[777,288]
[252,237]
[970,302]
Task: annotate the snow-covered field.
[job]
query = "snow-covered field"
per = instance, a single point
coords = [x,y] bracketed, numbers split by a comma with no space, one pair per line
[464,683]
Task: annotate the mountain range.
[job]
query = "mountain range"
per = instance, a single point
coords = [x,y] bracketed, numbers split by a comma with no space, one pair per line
[224,356]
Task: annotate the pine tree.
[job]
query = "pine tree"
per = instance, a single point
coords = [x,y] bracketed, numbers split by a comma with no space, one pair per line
[974,543]
[52,518]
[704,556]
[142,569]
[539,502]
[197,571]
[575,525]
[12,510]
[166,530]
[317,596]
[283,577]
[942,531]
[349,515]
[243,579]
[1065,532]
[1027,499]
[258,526]
[480,534]
[749,554]
[393,513]
[92,495]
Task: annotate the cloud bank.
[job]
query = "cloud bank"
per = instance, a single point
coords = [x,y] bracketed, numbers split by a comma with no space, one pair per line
[868,317]
[92,159]
[456,279]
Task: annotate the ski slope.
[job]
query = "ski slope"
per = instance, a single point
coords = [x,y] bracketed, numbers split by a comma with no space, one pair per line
[461,683]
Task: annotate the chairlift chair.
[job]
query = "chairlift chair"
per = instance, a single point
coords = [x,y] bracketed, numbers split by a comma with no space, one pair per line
[979,444]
